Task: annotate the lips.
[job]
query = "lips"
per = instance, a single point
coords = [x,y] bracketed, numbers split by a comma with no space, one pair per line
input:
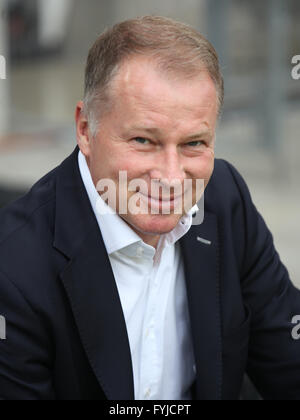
[172,198]
[162,205]
[168,199]
[160,199]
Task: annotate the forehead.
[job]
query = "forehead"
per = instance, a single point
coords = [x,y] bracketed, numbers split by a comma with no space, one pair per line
[141,87]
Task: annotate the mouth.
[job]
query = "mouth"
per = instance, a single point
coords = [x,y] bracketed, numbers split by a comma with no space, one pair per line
[169,199]
[164,197]
[162,204]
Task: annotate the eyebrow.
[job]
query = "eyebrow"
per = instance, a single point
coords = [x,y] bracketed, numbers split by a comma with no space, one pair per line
[156,131]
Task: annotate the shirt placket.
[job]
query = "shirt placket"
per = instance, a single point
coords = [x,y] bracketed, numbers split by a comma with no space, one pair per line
[150,361]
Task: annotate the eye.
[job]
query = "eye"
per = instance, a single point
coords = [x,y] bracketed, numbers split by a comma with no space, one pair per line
[196,143]
[142,140]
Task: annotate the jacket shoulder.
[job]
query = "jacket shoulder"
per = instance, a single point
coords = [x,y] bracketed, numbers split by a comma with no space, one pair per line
[26,232]
[20,214]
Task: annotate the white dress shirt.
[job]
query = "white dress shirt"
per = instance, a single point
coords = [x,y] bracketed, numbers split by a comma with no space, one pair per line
[152,290]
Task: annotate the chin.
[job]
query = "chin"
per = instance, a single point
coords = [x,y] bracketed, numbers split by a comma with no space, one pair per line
[153,224]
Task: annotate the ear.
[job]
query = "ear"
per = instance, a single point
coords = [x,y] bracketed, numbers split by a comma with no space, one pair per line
[82,130]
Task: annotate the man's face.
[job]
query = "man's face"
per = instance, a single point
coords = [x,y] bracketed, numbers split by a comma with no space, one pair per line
[157,128]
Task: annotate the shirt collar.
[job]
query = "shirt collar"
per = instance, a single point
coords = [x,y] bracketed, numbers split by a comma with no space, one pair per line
[117,234]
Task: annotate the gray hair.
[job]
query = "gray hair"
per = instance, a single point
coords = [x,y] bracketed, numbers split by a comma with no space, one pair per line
[178,50]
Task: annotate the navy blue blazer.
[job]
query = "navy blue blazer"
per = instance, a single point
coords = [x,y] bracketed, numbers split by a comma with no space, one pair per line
[66,333]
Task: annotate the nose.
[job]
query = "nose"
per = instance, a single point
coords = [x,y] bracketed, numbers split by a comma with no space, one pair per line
[169,169]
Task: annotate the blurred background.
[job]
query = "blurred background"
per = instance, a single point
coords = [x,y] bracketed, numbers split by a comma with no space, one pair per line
[45,44]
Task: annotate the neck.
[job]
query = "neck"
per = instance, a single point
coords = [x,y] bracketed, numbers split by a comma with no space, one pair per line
[151,240]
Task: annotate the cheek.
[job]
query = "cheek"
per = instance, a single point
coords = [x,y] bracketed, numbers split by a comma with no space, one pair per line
[210,163]
[133,165]
[109,160]
[204,167]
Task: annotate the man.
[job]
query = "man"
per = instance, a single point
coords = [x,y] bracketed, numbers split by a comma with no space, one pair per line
[122,305]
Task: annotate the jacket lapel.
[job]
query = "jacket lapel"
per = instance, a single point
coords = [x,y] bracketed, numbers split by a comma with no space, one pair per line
[90,285]
[201,262]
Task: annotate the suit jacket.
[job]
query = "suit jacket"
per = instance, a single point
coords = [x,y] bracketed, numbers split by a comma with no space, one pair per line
[66,333]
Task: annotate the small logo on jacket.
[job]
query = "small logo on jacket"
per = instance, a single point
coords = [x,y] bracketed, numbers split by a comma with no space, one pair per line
[2,328]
